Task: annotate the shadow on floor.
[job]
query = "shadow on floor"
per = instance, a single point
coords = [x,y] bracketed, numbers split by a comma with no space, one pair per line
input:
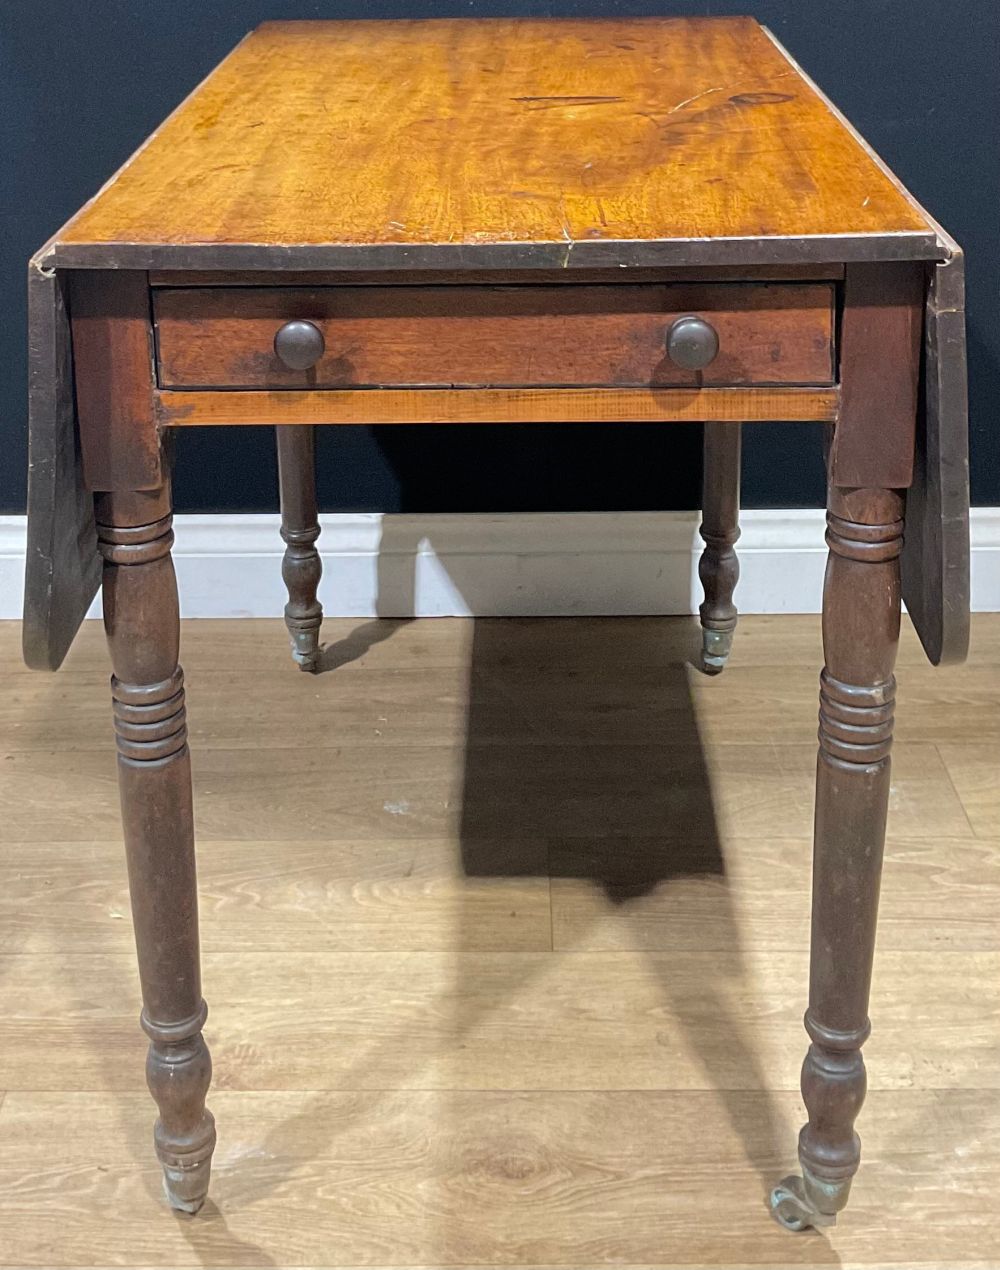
[590,745]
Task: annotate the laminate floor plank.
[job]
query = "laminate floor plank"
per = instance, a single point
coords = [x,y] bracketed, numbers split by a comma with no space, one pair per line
[418,894]
[974,771]
[280,895]
[655,894]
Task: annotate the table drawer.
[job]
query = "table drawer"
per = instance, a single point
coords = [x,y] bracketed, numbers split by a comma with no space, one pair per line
[511,336]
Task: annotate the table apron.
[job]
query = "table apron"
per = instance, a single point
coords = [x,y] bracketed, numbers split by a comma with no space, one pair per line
[497,405]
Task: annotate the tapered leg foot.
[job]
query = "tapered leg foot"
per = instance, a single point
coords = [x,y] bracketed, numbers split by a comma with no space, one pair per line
[303,638]
[302,566]
[178,1073]
[719,566]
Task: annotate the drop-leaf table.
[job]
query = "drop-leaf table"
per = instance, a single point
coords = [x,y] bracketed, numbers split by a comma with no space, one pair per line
[466,221]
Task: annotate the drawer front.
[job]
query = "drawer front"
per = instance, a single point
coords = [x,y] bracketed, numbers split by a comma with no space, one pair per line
[496,336]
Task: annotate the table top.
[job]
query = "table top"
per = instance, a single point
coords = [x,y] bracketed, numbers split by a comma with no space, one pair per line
[500,143]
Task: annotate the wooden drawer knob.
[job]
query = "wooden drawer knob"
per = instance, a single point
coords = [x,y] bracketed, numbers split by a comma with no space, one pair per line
[299,345]
[692,343]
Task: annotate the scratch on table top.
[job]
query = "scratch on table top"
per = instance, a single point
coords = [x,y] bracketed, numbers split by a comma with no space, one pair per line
[722,88]
[697,97]
[552,103]
[567,236]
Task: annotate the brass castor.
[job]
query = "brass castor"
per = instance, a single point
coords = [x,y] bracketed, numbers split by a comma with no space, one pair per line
[181,1205]
[304,644]
[715,649]
[795,1202]
[186,1178]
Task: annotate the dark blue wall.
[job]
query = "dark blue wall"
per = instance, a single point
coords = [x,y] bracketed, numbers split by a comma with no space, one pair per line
[82,82]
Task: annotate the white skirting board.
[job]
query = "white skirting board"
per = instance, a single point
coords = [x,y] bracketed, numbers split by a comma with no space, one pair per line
[562,564]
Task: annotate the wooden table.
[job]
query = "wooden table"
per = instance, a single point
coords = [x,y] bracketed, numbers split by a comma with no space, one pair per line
[503,221]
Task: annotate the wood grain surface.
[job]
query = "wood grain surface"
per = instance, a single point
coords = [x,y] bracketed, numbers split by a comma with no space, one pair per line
[880,332]
[490,277]
[191,408]
[508,971]
[62,567]
[526,336]
[936,552]
[113,359]
[333,144]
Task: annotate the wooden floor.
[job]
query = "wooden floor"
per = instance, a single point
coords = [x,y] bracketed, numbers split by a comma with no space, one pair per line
[504,930]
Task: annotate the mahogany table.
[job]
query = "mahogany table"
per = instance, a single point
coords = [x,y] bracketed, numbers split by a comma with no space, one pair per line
[503,221]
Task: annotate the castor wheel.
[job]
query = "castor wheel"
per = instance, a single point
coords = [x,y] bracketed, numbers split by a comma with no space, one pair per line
[179,1203]
[792,1208]
[186,1178]
[715,649]
[305,646]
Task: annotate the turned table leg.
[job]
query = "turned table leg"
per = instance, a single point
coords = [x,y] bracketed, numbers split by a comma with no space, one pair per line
[302,567]
[154,775]
[719,567]
[861,603]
